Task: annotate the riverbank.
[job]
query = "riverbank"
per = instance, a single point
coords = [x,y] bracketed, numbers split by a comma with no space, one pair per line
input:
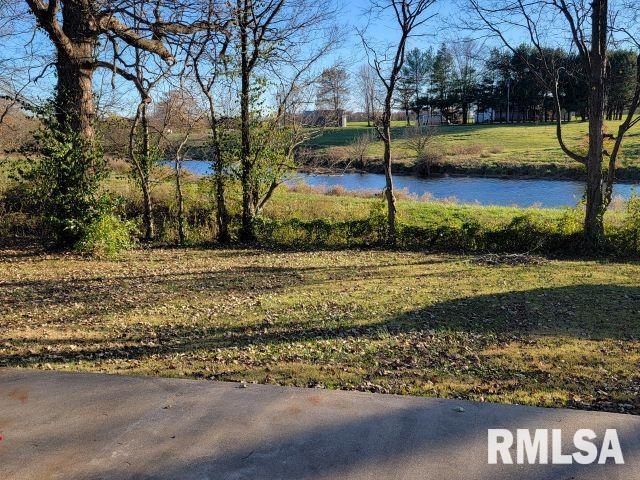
[467,168]
[303,217]
[506,151]
[300,216]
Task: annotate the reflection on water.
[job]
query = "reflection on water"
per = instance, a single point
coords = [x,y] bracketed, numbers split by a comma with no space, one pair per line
[485,191]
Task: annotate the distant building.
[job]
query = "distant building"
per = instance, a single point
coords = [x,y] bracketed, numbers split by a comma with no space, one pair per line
[325,118]
[438,118]
[485,116]
[427,118]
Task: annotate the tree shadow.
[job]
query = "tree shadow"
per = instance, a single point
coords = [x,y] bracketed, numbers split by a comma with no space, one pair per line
[583,311]
[101,296]
[445,336]
[14,248]
[413,442]
[214,431]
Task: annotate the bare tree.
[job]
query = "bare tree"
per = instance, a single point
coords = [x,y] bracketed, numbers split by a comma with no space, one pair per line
[421,140]
[76,27]
[208,54]
[180,115]
[367,85]
[589,27]
[280,36]
[333,90]
[142,150]
[465,54]
[141,156]
[410,15]
[359,148]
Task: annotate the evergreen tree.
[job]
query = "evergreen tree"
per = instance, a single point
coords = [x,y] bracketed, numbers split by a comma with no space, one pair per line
[442,81]
[415,74]
[620,82]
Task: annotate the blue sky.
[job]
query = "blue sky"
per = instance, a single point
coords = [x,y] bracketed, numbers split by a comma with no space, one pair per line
[351,54]
[385,29]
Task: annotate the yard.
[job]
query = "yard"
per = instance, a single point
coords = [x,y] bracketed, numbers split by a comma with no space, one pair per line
[522,149]
[549,333]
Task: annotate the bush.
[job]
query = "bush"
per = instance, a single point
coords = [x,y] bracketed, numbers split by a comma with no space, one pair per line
[426,160]
[64,181]
[627,238]
[460,150]
[105,237]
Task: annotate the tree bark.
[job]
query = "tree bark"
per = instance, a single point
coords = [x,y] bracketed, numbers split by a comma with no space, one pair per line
[147,216]
[180,201]
[141,162]
[222,214]
[247,230]
[594,217]
[388,191]
[75,66]
[388,174]
[144,177]
[74,108]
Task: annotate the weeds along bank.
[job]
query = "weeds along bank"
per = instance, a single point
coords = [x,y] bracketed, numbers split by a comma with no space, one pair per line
[305,217]
[312,220]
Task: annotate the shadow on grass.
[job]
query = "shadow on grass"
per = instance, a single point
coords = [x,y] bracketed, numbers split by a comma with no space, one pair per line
[444,336]
[84,299]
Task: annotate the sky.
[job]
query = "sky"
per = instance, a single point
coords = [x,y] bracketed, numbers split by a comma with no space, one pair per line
[386,31]
[353,15]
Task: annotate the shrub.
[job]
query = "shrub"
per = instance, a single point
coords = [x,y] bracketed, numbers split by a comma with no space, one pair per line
[474,149]
[105,237]
[628,238]
[522,234]
[426,160]
[64,181]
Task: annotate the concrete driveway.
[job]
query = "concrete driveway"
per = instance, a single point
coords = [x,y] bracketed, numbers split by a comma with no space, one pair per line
[86,426]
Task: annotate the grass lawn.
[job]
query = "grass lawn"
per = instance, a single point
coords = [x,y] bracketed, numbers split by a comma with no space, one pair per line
[491,148]
[559,333]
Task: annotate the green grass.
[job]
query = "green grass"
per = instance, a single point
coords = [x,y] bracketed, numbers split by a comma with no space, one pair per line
[305,206]
[498,149]
[559,333]
[549,333]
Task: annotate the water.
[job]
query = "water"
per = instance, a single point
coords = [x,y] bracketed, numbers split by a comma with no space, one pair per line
[199,167]
[481,190]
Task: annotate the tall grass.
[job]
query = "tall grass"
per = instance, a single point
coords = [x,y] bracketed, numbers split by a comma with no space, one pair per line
[302,216]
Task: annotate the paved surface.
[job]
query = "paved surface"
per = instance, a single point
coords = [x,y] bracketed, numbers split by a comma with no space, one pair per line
[83,426]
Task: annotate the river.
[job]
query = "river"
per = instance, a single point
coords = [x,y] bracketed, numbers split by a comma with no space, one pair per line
[480,190]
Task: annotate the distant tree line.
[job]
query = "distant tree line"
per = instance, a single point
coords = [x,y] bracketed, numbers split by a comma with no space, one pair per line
[503,87]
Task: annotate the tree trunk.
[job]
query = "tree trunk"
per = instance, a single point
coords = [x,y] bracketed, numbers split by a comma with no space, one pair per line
[593,225]
[149,230]
[144,177]
[388,190]
[74,97]
[222,215]
[180,201]
[74,106]
[247,230]
[465,114]
[594,221]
